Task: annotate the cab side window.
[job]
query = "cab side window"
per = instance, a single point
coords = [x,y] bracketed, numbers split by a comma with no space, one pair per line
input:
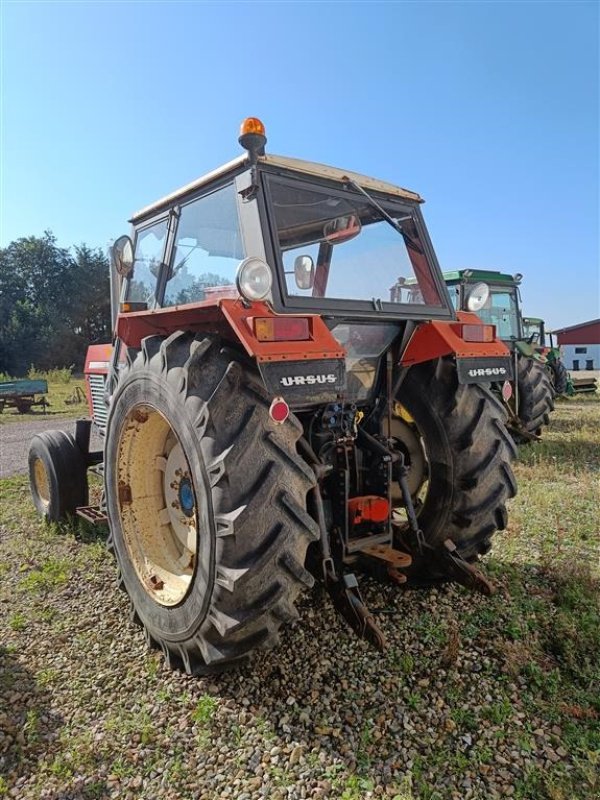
[208,250]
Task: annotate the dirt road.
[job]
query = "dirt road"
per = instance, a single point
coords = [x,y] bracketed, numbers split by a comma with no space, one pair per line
[15,438]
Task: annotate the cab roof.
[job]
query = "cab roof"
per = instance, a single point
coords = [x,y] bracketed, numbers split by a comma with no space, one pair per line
[533,319]
[293,164]
[476,275]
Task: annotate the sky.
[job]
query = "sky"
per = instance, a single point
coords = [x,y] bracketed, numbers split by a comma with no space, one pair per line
[490,110]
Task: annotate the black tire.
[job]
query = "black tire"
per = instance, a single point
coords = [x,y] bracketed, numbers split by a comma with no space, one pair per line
[249,508]
[57,475]
[559,376]
[469,453]
[536,395]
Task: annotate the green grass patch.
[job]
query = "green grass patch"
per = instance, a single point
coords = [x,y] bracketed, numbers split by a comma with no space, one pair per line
[46,576]
[204,711]
[18,621]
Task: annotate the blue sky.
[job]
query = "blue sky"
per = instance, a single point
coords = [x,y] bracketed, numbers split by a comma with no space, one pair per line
[489,110]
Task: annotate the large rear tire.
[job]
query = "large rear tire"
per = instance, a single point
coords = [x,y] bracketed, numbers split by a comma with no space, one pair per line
[536,395]
[459,455]
[206,500]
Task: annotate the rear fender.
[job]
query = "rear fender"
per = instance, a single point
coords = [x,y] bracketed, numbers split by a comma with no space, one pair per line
[232,320]
[439,338]
[311,370]
[477,362]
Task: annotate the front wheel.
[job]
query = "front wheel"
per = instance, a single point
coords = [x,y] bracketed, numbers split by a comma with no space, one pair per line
[559,376]
[459,456]
[206,502]
[57,475]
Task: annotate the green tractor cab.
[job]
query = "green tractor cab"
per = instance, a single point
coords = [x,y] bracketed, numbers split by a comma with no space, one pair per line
[534,330]
[495,297]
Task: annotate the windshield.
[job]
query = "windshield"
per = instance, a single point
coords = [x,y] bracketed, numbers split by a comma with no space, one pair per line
[337,245]
[502,310]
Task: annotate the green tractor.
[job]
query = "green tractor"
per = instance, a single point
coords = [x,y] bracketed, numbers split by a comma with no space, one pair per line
[495,298]
[534,330]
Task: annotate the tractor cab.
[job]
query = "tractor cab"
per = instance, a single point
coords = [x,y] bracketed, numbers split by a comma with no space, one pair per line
[493,296]
[534,331]
[302,237]
[299,261]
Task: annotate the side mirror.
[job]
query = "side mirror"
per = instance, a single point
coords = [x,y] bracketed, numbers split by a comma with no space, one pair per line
[342,229]
[304,272]
[121,256]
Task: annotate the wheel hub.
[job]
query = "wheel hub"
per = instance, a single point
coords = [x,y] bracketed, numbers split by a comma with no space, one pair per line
[186,497]
[180,502]
[406,439]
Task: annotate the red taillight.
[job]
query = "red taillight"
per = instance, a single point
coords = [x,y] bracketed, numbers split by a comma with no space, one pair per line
[281,329]
[478,333]
[279,410]
[507,391]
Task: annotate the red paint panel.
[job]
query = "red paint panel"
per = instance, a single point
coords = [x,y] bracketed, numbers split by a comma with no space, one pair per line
[436,338]
[231,320]
[322,343]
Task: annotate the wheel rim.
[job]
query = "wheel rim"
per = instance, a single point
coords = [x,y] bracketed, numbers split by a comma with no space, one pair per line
[157,505]
[406,437]
[41,482]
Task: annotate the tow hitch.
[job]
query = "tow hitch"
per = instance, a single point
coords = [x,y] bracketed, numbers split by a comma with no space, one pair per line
[372,544]
[348,602]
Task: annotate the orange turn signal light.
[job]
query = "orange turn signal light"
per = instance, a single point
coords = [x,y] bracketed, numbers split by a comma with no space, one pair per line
[281,329]
[129,307]
[252,125]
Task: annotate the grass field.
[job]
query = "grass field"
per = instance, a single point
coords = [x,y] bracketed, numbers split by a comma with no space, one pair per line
[87,712]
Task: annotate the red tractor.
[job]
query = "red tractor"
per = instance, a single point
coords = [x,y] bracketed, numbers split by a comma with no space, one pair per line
[272,411]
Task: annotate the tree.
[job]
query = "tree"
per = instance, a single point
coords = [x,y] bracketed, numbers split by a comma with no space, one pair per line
[52,304]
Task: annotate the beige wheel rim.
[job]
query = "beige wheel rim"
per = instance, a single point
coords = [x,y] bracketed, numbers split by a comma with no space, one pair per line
[41,482]
[157,505]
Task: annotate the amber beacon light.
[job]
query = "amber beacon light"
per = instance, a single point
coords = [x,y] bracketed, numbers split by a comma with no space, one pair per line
[252,125]
[253,137]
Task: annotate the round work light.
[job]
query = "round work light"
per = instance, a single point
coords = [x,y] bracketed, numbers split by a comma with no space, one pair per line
[478,296]
[254,279]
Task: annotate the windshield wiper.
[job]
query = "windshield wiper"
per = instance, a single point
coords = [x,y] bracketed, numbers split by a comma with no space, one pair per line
[394,223]
[410,242]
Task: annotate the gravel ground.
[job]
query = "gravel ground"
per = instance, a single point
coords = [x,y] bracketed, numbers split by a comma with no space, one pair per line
[87,712]
[15,438]
[468,702]
[321,716]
